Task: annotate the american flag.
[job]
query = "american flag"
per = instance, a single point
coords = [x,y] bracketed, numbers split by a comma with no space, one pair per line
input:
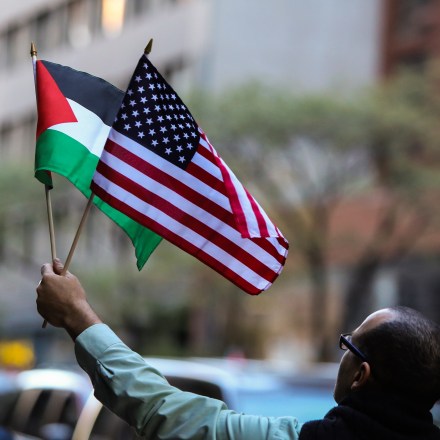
[159,168]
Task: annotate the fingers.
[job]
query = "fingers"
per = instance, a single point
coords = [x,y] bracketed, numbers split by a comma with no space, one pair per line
[55,268]
[58,266]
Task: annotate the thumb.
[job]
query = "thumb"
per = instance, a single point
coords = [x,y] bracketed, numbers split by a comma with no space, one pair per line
[46,269]
[58,266]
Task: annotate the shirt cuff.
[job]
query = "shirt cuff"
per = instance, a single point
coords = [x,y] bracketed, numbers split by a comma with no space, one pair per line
[92,343]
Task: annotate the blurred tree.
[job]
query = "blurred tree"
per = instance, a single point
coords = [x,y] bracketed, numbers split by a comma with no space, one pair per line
[310,153]
[402,138]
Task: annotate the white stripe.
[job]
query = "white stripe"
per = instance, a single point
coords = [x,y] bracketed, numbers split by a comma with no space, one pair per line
[90,130]
[206,164]
[187,206]
[182,231]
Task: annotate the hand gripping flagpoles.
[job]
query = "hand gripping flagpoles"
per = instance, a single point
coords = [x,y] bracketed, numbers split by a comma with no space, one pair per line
[147,51]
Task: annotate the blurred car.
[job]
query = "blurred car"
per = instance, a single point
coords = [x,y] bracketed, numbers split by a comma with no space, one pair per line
[243,386]
[44,403]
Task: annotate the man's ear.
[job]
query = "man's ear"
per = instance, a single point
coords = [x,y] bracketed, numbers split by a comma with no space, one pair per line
[361,376]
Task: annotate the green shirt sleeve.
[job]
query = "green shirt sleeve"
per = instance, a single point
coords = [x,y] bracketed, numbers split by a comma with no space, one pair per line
[140,395]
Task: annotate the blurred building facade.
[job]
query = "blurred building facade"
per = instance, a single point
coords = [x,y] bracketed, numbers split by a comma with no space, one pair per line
[212,44]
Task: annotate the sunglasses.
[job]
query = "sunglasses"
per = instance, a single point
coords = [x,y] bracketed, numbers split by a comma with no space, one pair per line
[346,344]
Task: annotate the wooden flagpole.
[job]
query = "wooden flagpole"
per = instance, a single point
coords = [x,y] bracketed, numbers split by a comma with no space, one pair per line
[78,233]
[47,188]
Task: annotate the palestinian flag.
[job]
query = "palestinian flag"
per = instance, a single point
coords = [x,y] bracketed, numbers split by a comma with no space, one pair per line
[75,113]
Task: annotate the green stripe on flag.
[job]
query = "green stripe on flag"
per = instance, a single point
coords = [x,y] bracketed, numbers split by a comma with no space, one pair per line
[63,155]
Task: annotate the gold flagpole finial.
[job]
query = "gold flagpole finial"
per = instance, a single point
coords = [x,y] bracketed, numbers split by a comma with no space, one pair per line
[33,49]
[147,50]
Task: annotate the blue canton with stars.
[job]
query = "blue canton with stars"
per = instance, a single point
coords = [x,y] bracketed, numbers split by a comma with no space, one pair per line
[153,115]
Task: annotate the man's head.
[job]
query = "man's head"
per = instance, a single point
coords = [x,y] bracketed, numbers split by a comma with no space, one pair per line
[402,348]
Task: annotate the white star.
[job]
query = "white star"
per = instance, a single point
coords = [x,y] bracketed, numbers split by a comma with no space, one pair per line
[173,96]
[151,86]
[141,89]
[154,97]
[157,108]
[176,137]
[127,127]
[194,135]
[168,117]
[181,159]
[138,78]
[168,150]
[179,148]
[163,129]
[148,76]
[141,134]
[189,146]
[146,110]
[160,118]
[135,113]
[152,132]
[185,135]
[129,92]
[154,143]
[138,124]
[132,102]
[124,116]
[173,127]
[149,121]
[143,100]
[166,140]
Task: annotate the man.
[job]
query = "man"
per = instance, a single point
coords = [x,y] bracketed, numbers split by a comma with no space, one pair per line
[388,380]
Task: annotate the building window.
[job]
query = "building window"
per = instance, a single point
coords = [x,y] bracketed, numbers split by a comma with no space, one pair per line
[50,30]
[16,45]
[83,21]
[113,14]
[411,33]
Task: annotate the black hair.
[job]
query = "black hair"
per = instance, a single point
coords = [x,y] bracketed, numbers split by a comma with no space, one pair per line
[404,355]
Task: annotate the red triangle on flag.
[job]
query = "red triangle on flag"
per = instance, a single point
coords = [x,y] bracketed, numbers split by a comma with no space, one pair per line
[53,107]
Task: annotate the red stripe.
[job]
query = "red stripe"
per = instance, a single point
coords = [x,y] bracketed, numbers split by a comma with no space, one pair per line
[193,223]
[178,241]
[207,178]
[185,191]
[262,226]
